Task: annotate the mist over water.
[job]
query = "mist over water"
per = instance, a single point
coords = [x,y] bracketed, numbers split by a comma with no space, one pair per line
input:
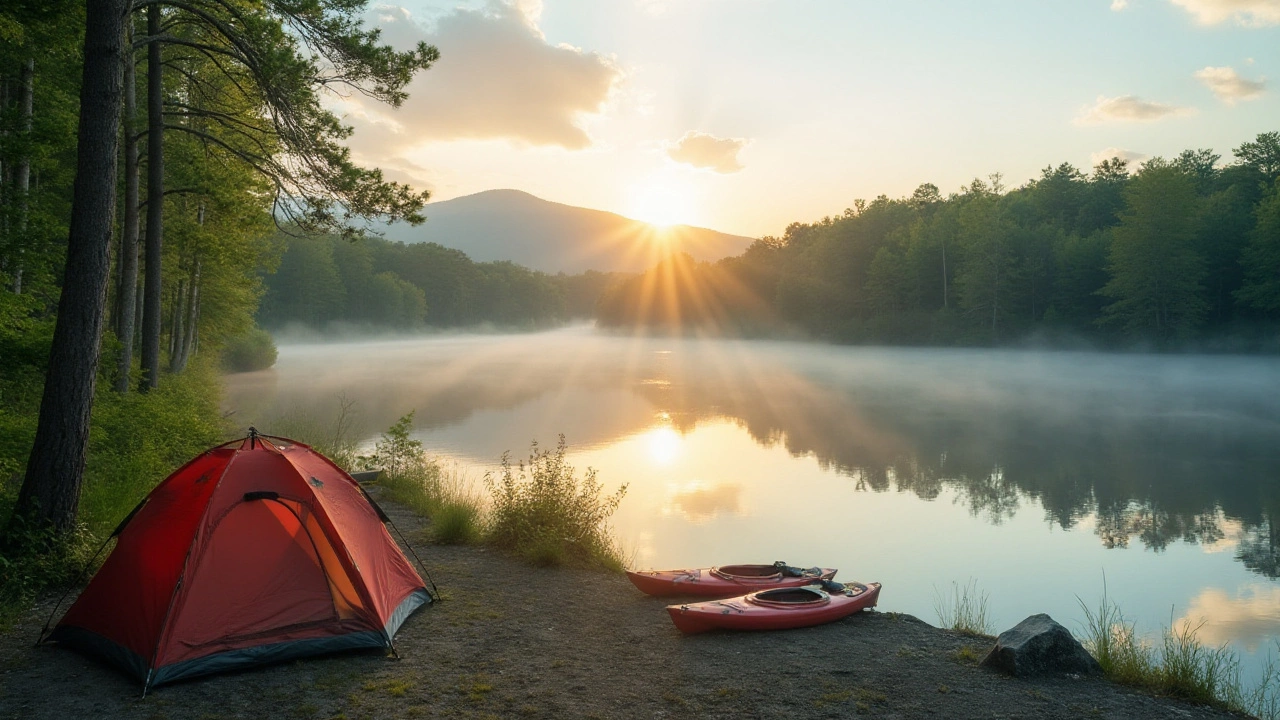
[1035,473]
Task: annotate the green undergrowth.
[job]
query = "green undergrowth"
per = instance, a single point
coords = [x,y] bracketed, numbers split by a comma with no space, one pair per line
[964,609]
[544,512]
[135,441]
[1179,664]
[428,488]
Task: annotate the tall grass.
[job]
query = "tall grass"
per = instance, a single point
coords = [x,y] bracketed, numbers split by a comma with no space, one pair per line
[1179,665]
[544,512]
[424,486]
[964,609]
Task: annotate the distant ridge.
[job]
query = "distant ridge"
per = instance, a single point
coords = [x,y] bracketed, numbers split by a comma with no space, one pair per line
[548,236]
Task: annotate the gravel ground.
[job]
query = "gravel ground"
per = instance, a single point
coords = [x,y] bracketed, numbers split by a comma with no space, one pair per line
[508,640]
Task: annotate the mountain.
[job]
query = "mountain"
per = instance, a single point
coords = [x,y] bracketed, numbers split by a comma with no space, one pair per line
[543,235]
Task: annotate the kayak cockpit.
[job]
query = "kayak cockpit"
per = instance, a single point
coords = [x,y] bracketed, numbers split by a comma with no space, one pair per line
[790,598]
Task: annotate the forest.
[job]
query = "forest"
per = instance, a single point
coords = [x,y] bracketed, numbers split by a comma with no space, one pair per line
[1179,253]
[379,284]
[151,152]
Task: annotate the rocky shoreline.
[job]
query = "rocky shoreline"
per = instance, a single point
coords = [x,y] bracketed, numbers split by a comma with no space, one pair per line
[509,640]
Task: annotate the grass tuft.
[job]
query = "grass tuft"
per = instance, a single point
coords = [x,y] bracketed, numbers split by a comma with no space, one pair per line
[1180,665]
[964,609]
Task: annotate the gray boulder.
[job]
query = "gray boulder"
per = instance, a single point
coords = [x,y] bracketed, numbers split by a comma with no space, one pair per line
[1037,646]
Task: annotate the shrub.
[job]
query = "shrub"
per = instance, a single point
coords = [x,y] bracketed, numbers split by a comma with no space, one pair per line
[254,350]
[542,511]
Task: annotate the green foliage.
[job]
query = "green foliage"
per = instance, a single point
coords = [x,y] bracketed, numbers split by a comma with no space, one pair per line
[543,512]
[254,350]
[1179,665]
[1261,258]
[964,609]
[424,486]
[135,442]
[1155,270]
[1154,259]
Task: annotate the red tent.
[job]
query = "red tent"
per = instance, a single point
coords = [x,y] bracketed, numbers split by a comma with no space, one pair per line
[256,551]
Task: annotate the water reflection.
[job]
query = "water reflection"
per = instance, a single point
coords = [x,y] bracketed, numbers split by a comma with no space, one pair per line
[1145,451]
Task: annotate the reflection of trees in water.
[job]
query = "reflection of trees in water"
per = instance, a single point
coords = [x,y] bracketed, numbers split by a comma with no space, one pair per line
[1259,548]
[1147,472]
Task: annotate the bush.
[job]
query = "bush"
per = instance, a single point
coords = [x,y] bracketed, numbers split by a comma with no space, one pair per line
[543,512]
[255,350]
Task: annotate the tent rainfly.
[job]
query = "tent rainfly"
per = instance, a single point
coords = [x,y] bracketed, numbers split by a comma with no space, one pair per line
[254,552]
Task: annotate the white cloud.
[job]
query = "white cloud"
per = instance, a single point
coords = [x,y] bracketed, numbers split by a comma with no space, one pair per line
[499,78]
[1227,84]
[1250,13]
[1128,108]
[1129,156]
[708,151]
[1118,5]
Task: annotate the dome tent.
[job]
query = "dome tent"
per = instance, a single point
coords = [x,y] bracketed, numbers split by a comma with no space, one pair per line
[256,551]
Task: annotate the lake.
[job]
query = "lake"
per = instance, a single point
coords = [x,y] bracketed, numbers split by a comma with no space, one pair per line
[1038,476]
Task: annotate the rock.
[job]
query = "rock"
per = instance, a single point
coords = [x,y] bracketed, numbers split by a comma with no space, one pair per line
[1037,646]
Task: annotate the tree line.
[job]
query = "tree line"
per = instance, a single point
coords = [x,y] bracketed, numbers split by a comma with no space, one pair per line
[378,283]
[1181,251]
[149,151]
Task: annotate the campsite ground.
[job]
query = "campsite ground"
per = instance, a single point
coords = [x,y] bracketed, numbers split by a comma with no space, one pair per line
[512,641]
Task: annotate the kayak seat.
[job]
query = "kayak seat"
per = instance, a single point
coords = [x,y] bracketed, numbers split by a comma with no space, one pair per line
[754,572]
[790,597]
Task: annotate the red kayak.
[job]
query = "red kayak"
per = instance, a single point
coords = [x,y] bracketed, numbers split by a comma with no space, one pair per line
[776,609]
[726,580]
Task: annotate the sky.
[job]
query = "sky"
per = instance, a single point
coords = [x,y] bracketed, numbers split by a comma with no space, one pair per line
[747,115]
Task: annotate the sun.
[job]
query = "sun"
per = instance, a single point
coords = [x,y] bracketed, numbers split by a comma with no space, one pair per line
[662,202]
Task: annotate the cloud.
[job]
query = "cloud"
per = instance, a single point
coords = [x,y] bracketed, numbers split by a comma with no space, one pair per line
[1229,86]
[701,503]
[499,78]
[1245,618]
[1114,152]
[1128,108]
[1249,13]
[708,151]
[1118,5]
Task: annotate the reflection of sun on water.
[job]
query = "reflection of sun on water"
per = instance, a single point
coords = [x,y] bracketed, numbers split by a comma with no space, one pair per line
[663,446]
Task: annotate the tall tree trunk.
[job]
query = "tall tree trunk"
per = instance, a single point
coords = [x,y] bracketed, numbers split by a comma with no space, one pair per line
[155,206]
[186,341]
[50,491]
[175,323]
[26,82]
[128,293]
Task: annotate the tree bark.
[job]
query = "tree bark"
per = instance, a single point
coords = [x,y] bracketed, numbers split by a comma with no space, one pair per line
[128,293]
[22,180]
[50,491]
[151,320]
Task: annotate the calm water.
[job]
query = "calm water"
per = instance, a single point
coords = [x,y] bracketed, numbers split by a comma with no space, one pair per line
[1037,475]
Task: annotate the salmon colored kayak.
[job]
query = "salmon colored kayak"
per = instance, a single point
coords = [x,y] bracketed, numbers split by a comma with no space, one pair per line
[726,580]
[777,609]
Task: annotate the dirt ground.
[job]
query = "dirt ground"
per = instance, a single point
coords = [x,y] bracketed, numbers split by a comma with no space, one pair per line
[508,640]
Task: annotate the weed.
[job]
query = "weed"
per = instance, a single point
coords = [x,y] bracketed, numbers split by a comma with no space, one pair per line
[833,698]
[542,510]
[872,696]
[967,655]
[943,689]
[964,610]
[476,687]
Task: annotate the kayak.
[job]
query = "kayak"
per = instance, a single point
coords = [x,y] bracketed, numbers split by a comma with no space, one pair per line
[726,580]
[777,609]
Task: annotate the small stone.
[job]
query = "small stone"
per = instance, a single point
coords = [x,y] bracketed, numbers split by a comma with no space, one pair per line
[1037,646]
